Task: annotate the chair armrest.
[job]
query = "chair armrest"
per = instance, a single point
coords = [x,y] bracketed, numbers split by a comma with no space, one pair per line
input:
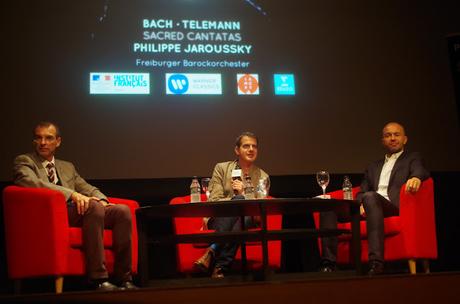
[36,228]
[418,218]
[337,194]
[133,205]
[186,225]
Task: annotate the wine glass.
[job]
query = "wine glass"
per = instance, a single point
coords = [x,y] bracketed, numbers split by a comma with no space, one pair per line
[205,186]
[322,177]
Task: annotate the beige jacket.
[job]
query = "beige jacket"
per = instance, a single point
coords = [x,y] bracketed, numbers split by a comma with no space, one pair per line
[220,186]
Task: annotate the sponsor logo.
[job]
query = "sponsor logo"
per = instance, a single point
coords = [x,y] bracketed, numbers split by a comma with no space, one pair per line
[284,84]
[193,84]
[119,83]
[177,84]
[248,84]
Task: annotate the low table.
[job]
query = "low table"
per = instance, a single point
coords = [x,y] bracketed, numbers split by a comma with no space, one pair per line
[256,207]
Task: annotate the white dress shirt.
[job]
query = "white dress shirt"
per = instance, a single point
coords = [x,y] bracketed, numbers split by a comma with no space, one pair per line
[386,172]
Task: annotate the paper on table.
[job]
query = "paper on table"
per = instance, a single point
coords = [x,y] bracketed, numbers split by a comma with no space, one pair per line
[327,196]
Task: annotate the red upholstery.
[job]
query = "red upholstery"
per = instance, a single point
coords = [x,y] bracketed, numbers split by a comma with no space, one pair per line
[411,235]
[188,253]
[39,241]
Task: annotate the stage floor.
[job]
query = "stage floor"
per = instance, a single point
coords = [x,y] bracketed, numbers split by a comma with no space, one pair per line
[341,287]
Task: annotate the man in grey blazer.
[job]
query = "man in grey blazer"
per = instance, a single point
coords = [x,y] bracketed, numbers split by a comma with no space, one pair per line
[379,197]
[87,207]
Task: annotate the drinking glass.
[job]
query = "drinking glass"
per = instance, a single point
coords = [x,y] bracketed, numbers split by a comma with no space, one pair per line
[322,177]
[205,186]
[266,183]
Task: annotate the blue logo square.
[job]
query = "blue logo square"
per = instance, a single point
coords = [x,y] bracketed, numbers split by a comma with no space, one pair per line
[284,84]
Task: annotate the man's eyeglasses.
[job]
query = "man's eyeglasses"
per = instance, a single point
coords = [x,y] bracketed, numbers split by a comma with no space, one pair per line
[46,139]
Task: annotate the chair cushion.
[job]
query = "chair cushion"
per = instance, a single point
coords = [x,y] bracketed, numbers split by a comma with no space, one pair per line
[76,238]
[392,226]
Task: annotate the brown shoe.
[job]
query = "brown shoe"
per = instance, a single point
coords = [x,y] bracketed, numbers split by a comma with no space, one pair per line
[217,273]
[205,261]
[376,268]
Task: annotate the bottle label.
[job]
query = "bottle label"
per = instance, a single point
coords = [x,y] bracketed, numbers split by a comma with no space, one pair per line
[195,197]
[249,194]
[347,195]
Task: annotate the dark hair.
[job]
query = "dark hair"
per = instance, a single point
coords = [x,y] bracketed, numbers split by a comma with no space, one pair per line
[46,124]
[248,134]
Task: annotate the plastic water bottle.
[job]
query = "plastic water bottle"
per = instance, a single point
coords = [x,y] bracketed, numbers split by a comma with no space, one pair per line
[248,188]
[261,189]
[195,191]
[347,188]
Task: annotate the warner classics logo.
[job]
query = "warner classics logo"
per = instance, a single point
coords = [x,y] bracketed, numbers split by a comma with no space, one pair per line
[177,84]
[248,84]
[193,84]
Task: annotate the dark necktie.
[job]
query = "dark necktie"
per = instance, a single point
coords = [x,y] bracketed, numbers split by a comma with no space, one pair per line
[51,173]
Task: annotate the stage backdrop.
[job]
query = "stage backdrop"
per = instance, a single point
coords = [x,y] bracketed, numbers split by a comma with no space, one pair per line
[453,41]
[161,88]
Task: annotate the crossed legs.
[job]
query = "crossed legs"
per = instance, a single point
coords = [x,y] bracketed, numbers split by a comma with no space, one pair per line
[376,208]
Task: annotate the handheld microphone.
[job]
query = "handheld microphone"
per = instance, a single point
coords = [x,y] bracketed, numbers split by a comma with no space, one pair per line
[236,174]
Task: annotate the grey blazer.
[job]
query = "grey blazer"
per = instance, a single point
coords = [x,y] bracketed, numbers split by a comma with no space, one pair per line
[29,172]
[220,185]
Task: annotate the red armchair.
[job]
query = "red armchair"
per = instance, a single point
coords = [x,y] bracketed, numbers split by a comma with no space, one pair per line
[410,236]
[189,253]
[39,241]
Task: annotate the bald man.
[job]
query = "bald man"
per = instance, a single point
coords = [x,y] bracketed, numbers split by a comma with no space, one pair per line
[379,197]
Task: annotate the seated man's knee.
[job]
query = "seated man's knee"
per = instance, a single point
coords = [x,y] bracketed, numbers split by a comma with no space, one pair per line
[123,212]
[372,203]
[370,197]
[223,223]
[95,209]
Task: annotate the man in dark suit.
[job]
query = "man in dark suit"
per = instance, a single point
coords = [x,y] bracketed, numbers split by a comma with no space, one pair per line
[379,197]
[87,207]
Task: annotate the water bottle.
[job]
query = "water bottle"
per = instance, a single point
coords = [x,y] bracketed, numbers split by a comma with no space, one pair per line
[248,188]
[195,191]
[347,188]
[261,189]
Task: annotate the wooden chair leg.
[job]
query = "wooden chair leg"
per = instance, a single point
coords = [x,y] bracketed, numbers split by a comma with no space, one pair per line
[426,265]
[59,283]
[412,266]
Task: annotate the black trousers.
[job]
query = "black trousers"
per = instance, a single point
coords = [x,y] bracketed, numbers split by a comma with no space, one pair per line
[225,253]
[377,208]
[97,217]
